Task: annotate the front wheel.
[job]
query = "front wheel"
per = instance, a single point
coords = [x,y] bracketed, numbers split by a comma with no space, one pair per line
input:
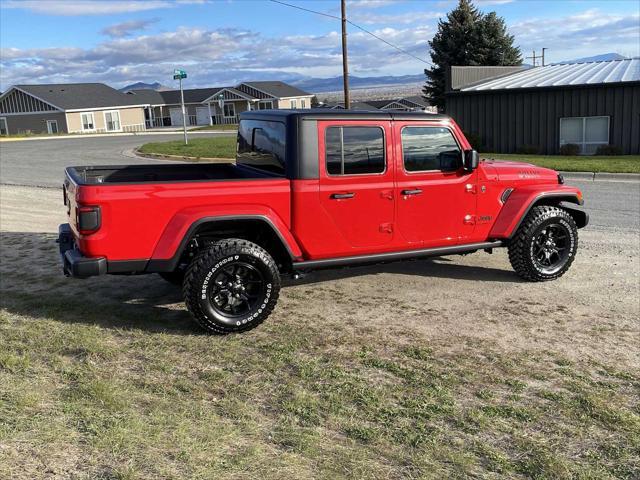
[232,286]
[545,245]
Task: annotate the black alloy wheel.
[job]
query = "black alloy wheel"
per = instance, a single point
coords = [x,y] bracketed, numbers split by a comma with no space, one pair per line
[550,247]
[236,290]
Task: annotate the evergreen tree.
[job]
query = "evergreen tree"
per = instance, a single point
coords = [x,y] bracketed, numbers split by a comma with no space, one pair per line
[467,37]
[495,44]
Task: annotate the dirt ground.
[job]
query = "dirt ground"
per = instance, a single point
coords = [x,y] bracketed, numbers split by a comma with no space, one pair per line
[444,368]
[592,312]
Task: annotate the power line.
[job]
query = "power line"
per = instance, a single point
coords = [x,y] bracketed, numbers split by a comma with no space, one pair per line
[355,25]
[388,43]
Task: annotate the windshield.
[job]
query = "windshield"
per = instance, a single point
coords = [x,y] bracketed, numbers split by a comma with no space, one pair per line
[261,145]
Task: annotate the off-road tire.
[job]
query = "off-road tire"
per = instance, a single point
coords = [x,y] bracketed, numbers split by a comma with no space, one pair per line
[213,263]
[175,278]
[522,245]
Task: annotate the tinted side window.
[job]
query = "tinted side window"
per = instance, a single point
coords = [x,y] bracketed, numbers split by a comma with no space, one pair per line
[354,150]
[261,144]
[429,148]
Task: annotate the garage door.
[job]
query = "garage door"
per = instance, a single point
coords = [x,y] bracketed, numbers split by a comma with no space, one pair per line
[202,115]
[176,116]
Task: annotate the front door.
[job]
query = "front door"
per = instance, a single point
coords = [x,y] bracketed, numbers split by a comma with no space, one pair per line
[356,184]
[52,127]
[176,116]
[436,197]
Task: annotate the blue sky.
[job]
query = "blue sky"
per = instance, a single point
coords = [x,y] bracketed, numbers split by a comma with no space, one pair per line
[221,42]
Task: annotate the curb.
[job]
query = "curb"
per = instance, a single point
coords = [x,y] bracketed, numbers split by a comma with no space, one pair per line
[602,177]
[585,176]
[182,158]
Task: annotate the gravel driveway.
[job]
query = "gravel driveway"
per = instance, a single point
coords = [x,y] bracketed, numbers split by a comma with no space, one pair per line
[592,311]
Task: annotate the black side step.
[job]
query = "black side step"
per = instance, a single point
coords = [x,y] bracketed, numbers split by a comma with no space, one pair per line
[394,256]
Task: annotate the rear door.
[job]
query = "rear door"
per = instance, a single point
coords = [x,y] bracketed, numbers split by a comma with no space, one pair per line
[436,197]
[356,183]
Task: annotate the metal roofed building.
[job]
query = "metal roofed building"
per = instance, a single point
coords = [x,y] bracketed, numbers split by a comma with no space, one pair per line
[540,109]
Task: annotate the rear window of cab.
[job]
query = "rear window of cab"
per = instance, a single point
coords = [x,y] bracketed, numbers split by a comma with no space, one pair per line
[262,145]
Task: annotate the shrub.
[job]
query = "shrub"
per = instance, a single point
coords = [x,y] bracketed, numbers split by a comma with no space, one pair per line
[528,150]
[608,150]
[570,149]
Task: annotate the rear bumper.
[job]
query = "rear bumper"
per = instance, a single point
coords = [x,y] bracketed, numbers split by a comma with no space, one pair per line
[74,264]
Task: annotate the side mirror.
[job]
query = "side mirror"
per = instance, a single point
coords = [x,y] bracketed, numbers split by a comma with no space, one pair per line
[470,160]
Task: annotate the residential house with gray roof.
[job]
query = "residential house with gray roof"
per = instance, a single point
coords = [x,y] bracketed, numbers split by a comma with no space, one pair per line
[220,105]
[69,108]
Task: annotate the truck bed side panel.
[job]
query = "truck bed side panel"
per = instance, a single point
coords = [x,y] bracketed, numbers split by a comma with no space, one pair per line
[134,217]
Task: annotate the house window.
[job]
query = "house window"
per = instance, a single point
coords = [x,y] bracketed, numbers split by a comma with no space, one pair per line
[4,130]
[87,121]
[354,150]
[229,110]
[112,121]
[303,103]
[294,103]
[429,148]
[587,132]
[265,105]
[52,127]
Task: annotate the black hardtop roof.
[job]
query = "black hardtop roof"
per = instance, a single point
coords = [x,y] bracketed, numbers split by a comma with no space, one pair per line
[337,114]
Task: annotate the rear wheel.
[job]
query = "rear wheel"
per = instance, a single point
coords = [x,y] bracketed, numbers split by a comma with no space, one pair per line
[232,286]
[545,244]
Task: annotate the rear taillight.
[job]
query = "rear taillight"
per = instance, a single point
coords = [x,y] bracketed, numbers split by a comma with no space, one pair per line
[88,219]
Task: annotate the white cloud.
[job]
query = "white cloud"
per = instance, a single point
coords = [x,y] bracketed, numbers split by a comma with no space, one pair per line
[90,7]
[368,18]
[125,29]
[580,35]
[210,56]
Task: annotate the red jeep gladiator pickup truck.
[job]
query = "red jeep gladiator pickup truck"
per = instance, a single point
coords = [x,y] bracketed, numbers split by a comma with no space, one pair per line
[313,189]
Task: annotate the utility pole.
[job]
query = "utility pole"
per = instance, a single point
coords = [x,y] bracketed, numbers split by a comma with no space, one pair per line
[345,64]
[543,49]
[534,56]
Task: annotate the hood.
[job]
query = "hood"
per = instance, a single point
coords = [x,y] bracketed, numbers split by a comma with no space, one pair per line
[524,172]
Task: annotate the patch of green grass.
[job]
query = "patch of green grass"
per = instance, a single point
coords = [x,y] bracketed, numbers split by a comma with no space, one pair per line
[215,128]
[610,164]
[199,147]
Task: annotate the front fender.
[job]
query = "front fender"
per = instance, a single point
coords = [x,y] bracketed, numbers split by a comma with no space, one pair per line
[523,199]
[179,229]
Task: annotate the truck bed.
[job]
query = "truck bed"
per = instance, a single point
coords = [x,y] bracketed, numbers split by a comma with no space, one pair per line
[161,173]
[141,203]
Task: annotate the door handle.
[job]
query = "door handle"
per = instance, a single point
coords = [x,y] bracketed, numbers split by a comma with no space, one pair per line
[415,191]
[341,196]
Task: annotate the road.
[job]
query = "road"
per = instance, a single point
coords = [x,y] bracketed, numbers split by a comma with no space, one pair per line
[42,162]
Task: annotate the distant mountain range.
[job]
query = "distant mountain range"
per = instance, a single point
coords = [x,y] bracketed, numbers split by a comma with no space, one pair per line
[334,84]
[597,58]
[146,86]
[318,85]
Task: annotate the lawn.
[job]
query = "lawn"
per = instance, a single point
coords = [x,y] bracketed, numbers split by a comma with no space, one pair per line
[615,164]
[106,378]
[198,147]
[215,128]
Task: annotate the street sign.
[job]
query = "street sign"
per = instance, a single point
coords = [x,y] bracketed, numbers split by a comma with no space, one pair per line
[179,74]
